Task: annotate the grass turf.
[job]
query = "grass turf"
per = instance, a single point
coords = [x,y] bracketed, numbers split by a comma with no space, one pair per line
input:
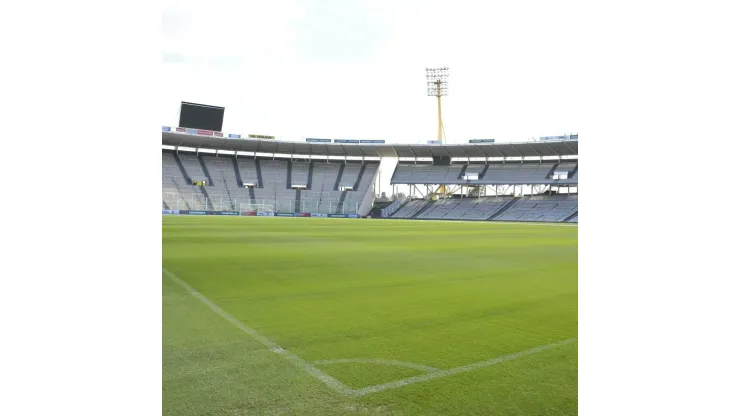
[440,294]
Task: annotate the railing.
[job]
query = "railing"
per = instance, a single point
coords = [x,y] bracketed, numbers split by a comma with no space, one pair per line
[196,201]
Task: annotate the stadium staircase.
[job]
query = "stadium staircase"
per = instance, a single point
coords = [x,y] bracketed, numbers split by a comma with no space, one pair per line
[259,174]
[339,177]
[205,170]
[182,169]
[297,200]
[575,214]
[237,173]
[503,209]
[462,172]
[310,175]
[573,173]
[483,172]
[424,208]
[340,204]
[165,205]
[359,178]
[290,173]
[187,178]
[549,174]
[226,187]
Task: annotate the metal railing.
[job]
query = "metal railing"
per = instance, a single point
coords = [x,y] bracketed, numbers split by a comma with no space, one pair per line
[197,201]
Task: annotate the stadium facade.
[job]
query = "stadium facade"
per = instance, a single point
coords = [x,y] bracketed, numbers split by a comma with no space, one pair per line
[533,181]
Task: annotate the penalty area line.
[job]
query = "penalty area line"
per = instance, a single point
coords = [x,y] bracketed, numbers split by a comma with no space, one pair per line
[330,381]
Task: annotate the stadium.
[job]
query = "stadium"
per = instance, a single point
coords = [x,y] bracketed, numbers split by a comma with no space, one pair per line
[356,305]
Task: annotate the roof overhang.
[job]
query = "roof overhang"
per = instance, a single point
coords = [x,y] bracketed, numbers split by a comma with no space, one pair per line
[528,149]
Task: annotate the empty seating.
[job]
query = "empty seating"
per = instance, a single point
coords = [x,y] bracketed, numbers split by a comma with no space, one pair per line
[465,208]
[509,173]
[224,192]
[518,173]
[425,173]
[411,208]
[299,174]
[547,209]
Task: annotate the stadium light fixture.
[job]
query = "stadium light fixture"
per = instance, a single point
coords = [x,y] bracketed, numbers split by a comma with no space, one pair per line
[437,81]
[437,87]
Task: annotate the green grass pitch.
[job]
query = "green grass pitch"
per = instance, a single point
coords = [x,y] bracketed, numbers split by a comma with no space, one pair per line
[410,317]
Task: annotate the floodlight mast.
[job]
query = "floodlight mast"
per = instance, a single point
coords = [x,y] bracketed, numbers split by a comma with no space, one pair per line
[437,87]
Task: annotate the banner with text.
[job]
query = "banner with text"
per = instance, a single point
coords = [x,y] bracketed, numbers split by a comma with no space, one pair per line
[261,137]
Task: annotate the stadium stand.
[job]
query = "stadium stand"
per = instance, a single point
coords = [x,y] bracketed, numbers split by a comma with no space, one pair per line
[466,208]
[343,182]
[268,183]
[538,208]
[492,173]
[556,208]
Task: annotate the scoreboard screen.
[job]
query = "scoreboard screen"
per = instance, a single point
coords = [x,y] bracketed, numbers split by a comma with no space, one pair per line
[201,116]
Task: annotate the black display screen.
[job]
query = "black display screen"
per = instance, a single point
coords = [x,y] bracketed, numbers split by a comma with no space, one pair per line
[200,116]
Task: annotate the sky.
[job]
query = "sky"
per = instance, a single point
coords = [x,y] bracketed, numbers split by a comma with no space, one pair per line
[355,69]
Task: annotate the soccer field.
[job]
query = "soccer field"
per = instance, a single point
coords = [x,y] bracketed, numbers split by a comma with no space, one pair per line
[312,316]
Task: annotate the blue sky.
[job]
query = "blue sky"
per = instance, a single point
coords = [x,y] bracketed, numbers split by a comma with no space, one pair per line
[355,69]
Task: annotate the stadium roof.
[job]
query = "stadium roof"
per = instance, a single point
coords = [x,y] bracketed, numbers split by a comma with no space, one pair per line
[530,149]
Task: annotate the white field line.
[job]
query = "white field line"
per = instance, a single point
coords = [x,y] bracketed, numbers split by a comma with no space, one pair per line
[338,386]
[420,367]
[457,370]
[330,381]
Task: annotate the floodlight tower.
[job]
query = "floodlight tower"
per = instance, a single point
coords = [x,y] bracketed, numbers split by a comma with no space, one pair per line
[437,87]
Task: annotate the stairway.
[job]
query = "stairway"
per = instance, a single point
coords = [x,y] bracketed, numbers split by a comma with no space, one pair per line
[359,178]
[167,207]
[340,204]
[238,174]
[231,200]
[339,177]
[424,208]
[483,172]
[205,170]
[310,175]
[462,172]
[503,209]
[184,173]
[297,200]
[570,217]
[290,173]
[259,173]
